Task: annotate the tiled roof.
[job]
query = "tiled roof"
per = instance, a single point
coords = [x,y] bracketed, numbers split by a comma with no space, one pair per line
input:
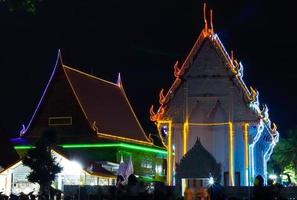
[103,103]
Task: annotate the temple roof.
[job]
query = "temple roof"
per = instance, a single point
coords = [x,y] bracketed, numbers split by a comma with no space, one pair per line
[103,103]
[236,72]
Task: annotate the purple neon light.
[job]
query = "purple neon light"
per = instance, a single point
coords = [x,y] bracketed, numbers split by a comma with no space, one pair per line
[18,140]
[25,129]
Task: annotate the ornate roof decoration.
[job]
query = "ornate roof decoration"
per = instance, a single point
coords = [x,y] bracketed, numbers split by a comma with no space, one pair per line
[251,96]
[198,163]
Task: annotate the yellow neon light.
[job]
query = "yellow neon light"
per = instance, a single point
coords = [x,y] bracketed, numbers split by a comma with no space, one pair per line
[185,134]
[231,169]
[127,101]
[89,75]
[159,123]
[169,147]
[246,150]
[75,95]
[113,137]
[209,124]
[169,154]
[246,132]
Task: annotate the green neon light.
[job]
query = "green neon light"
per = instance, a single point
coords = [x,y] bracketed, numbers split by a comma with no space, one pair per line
[123,145]
[24,147]
[79,146]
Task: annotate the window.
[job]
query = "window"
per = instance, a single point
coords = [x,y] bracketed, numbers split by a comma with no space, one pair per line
[147,163]
[59,121]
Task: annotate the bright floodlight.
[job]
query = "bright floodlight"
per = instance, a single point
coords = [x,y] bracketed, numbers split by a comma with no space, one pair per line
[72,167]
[273,176]
[210,181]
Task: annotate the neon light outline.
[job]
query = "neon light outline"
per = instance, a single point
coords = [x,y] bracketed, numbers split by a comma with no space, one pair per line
[246,152]
[168,147]
[101,145]
[25,129]
[127,101]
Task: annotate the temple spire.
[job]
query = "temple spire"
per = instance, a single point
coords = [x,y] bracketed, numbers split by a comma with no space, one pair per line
[59,57]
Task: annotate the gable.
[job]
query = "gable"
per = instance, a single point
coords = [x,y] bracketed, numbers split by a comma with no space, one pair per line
[206,81]
[60,110]
[78,105]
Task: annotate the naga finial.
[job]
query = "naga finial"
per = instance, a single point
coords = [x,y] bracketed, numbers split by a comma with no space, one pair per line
[274,128]
[94,126]
[254,94]
[161,97]
[236,66]
[240,70]
[161,111]
[177,70]
[152,114]
[264,111]
[232,56]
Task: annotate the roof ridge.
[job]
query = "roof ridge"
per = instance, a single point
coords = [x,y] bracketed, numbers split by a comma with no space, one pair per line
[58,61]
[89,75]
[135,116]
[76,96]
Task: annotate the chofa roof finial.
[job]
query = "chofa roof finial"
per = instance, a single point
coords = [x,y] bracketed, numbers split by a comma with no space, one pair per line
[211,23]
[204,16]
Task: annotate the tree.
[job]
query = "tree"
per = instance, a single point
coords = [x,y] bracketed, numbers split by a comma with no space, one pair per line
[29,6]
[284,155]
[43,165]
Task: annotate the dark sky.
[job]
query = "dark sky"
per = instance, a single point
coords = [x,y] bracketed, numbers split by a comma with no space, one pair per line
[142,40]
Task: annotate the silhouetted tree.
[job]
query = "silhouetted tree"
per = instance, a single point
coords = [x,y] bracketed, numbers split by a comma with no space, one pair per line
[42,163]
[29,6]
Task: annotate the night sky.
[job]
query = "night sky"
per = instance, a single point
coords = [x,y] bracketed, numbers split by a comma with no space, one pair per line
[142,40]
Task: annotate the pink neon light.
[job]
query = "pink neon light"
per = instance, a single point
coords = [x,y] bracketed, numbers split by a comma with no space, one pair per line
[25,129]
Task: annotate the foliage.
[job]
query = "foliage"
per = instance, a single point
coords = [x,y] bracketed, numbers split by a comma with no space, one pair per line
[290,170]
[284,157]
[42,163]
[29,6]
[285,152]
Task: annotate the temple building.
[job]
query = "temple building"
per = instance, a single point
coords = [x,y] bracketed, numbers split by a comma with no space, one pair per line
[209,101]
[96,129]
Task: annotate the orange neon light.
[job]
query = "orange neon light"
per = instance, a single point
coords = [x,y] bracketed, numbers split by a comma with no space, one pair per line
[176,70]
[211,23]
[204,17]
